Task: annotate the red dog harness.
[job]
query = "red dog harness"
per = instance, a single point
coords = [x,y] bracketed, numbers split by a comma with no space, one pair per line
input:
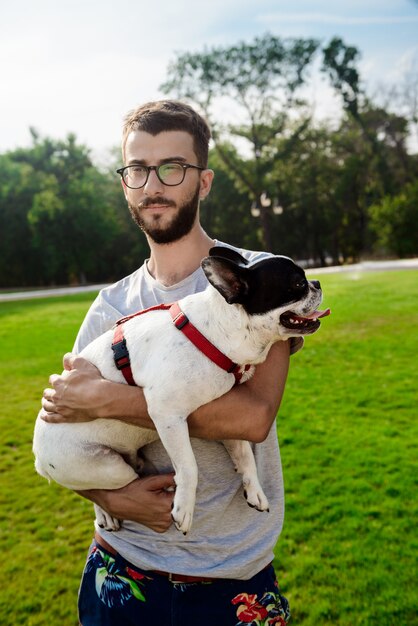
[182,322]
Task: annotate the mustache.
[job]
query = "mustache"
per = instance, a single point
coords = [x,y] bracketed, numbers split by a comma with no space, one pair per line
[151,201]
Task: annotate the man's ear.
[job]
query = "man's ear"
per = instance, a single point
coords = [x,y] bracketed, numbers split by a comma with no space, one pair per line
[206,179]
[227,277]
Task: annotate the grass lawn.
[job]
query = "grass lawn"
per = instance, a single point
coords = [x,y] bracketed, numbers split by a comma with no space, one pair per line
[347,426]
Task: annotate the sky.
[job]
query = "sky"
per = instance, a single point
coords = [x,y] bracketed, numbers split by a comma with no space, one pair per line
[78,66]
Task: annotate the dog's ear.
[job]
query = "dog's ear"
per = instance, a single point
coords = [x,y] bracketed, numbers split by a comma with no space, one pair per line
[228,253]
[227,277]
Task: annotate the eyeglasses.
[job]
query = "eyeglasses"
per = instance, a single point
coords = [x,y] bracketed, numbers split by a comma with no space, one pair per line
[171,174]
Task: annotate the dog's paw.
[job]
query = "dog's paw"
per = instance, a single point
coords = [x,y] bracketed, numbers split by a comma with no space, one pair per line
[182,521]
[182,515]
[255,496]
[106,521]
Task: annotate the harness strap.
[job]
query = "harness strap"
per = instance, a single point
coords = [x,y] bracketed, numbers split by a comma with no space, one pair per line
[121,355]
[119,347]
[182,322]
[156,307]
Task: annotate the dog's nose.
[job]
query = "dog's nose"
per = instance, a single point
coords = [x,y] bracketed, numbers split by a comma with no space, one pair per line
[316,284]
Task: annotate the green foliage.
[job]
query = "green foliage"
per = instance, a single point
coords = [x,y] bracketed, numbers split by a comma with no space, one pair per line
[262,80]
[305,181]
[395,223]
[64,220]
[251,73]
[17,187]
[340,64]
[60,217]
[225,213]
[347,429]
[325,192]
[326,185]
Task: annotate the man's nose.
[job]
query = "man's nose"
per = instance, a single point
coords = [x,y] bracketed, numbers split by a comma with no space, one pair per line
[153,184]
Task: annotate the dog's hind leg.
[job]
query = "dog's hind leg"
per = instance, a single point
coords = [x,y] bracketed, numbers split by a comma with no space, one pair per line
[244,461]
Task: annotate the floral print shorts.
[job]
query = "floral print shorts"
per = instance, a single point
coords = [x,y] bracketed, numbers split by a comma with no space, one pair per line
[114,592]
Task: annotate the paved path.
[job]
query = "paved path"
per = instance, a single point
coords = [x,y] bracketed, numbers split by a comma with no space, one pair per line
[366,266]
[47,293]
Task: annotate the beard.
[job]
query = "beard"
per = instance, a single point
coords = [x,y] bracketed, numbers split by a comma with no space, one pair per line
[179,226]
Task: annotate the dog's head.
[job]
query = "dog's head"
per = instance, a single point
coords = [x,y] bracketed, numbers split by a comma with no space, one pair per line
[275,287]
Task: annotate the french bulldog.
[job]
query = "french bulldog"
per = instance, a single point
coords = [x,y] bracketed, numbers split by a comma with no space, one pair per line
[242,312]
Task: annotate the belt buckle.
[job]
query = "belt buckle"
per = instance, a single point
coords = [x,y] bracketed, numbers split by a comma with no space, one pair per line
[172,579]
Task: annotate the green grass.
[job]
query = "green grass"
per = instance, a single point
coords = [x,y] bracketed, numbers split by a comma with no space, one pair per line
[348,431]
[347,426]
[44,529]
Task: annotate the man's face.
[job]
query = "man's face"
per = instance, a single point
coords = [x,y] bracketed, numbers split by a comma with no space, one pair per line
[164,213]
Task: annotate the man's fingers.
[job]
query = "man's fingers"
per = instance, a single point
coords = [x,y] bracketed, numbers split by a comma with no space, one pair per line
[47,405]
[48,400]
[161,482]
[48,393]
[75,362]
[53,379]
[68,361]
[50,416]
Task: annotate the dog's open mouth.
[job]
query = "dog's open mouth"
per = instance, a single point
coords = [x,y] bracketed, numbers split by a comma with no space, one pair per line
[308,324]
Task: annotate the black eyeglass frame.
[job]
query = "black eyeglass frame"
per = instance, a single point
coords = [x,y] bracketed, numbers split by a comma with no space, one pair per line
[185,167]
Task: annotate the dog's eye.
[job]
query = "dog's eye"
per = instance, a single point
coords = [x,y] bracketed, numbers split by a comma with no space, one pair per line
[300,284]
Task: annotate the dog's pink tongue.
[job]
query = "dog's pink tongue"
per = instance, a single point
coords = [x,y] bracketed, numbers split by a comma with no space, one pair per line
[317,314]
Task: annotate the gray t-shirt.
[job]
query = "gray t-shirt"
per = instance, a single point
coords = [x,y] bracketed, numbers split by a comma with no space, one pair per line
[228,539]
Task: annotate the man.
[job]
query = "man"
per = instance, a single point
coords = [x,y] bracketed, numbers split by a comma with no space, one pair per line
[149,573]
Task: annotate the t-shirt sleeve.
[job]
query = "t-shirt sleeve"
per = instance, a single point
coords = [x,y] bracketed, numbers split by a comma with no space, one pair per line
[100,317]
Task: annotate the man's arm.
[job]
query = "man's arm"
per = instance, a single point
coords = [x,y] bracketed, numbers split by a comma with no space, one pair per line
[247,411]
[81,394]
[145,500]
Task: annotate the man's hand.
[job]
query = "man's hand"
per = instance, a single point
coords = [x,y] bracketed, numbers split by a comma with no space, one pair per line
[145,500]
[77,395]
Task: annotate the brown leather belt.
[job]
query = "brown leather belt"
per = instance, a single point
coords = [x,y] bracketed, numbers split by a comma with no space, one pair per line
[174,578]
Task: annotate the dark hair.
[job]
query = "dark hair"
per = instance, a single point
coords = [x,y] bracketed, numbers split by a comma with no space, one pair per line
[165,115]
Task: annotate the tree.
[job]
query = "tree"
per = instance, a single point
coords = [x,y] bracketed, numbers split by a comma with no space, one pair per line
[394,220]
[69,217]
[18,185]
[262,80]
[61,217]
[401,99]
[309,224]
[340,64]
[225,212]
[381,138]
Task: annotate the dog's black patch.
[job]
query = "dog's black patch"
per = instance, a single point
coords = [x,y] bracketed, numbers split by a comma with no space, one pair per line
[228,253]
[274,283]
[262,287]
